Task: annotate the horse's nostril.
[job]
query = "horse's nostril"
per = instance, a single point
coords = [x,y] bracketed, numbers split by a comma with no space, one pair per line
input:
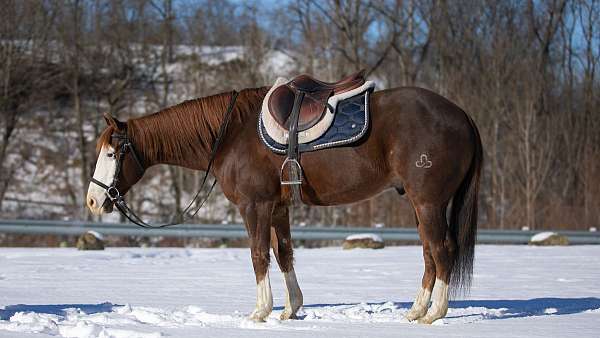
[91,202]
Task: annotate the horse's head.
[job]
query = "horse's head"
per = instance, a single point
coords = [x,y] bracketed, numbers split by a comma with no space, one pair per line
[118,167]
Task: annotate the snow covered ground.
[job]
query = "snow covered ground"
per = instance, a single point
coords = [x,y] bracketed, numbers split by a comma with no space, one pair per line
[518,291]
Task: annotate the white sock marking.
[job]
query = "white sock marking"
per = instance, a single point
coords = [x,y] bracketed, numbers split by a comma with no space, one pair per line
[420,305]
[264,299]
[423,298]
[294,294]
[439,307]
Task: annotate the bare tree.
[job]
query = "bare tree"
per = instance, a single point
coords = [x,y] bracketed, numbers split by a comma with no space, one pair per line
[25,72]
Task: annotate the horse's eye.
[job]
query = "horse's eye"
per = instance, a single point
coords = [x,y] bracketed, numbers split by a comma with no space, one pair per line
[110,155]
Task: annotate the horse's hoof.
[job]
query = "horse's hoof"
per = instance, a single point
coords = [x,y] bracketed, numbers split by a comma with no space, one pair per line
[285,315]
[414,314]
[259,316]
[426,320]
[257,319]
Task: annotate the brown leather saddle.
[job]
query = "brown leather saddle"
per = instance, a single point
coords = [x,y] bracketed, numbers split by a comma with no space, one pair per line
[314,101]
[299,105]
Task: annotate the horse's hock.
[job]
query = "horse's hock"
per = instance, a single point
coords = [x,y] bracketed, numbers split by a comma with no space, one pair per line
[91,240]
[363,241]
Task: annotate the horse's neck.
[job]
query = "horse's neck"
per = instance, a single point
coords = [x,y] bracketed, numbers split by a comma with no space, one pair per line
[191,155]
[164,143]
[182,145]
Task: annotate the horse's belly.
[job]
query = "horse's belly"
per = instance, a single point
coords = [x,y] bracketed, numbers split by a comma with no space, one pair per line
[342,176]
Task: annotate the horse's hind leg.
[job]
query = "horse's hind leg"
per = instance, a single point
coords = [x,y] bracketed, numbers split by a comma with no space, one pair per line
[421,303]
[433,229]
[283,249]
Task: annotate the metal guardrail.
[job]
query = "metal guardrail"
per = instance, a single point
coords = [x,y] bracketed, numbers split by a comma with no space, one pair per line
[238,231]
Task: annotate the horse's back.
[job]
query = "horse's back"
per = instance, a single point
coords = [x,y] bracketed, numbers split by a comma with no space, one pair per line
[415,105]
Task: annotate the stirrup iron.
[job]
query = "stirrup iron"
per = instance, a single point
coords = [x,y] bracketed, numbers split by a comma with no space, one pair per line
[295,172]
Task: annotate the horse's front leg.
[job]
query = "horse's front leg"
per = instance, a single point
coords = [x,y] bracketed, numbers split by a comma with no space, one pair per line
[281,240]
[257,217]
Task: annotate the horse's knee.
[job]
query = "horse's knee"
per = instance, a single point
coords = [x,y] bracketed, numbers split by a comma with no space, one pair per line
[284,250]
[286,257]
[260,256]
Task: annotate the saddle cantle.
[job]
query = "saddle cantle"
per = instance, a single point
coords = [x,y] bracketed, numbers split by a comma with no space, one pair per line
[314,103]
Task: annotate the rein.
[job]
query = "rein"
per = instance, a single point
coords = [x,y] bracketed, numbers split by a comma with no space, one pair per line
[125,146]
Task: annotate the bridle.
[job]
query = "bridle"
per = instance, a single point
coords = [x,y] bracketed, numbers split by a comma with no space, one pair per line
[125,146]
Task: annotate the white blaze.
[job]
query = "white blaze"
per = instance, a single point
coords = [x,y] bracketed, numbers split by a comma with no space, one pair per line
[106,167]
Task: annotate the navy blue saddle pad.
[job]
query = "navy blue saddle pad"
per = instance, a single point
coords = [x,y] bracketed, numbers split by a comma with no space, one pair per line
[350,123]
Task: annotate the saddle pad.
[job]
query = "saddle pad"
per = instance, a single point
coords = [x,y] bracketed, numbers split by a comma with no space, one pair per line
[350,123]
[279,134]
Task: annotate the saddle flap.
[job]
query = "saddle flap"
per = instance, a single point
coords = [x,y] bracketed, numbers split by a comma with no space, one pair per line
[280,104]
[312,109]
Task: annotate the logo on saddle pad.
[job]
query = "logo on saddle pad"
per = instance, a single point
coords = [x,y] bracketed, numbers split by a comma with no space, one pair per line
[423,162]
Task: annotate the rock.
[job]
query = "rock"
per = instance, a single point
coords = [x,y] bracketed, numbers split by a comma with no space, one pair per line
[91,240]
[364,241]
[548,238]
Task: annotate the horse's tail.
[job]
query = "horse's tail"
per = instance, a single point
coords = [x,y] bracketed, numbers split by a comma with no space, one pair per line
[463,219]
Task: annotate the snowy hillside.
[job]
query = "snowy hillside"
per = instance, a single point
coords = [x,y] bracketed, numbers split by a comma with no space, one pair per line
[518,291]
[47,183]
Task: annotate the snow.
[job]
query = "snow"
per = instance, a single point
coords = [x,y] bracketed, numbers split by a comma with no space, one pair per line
[542,236]
[96,234]
[278,63]
[373,237]
[518,291]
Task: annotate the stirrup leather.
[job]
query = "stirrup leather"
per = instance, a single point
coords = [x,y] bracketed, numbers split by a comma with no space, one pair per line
[293,154]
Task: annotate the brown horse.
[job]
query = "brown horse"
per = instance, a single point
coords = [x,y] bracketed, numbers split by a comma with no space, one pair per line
[419,143]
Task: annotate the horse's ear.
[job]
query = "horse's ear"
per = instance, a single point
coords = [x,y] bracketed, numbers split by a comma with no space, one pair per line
[113,122]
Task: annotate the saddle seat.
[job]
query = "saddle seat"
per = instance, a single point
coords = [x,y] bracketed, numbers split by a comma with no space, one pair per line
[309,84]
[314,102]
